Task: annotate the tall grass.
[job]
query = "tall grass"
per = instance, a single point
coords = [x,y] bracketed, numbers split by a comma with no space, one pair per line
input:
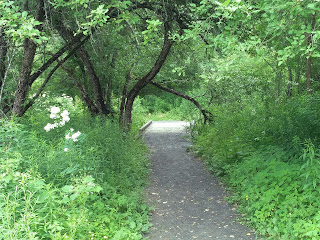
[52,187]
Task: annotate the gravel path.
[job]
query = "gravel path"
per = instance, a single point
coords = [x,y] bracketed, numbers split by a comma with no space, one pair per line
[189,202]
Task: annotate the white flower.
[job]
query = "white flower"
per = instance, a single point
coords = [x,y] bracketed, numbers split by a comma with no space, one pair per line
[62,123]
[71,129]
[55,110]
[65,113]
[68,136]
[53,116]
[75,136]
[49,126]
[65,118]
[66,149]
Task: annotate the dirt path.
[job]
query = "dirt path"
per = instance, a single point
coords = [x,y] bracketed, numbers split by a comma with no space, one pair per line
[189,202]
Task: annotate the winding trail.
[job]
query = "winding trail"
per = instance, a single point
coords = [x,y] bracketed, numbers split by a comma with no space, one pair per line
[189,202]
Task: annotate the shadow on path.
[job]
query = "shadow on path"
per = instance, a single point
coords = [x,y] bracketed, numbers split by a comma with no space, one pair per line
[189,202]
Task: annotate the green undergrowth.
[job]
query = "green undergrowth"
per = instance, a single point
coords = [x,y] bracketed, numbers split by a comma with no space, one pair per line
[269,155]
[52,187]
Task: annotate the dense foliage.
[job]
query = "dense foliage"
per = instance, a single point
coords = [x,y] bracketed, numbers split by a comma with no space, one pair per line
[77,187]
[266,148]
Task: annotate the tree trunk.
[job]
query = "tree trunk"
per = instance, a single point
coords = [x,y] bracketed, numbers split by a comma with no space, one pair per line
[207,116]
[278,82]
[3,54]
[308,74]
[82,53]
[3,69]
[25,71]
[29,47]
[124,98]
[55,57]
[167,44]
[91,106]
[108,94]
[95,81]
[31,102]
[308,63]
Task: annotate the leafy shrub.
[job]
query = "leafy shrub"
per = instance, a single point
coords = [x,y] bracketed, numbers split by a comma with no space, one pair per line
[52,187]
[275,197]
[232,136]
[259,150]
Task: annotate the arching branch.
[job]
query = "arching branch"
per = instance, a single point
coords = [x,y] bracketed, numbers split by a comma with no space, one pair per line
[31,102]
[208,116]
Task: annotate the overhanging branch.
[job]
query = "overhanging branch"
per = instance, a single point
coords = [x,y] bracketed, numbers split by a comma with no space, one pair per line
[31,102]
[208,116]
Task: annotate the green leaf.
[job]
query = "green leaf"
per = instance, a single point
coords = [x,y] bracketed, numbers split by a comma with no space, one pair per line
[74,196]
[311,6]
[133,224]
[68,189]
[66,200]
[24,14]
[43,197]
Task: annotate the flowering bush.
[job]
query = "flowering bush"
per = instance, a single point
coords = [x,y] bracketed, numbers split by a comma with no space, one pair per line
[59,182]
[54,114]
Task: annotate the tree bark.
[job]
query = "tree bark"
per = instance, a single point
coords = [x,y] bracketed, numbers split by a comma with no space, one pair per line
[207,116]
[279,80]
[167,44]
[123,100]
[3,69]
[91,106]
[29,47]
[95,81]
[58,54]
[23,83]
[3,54]
[82,53]
[109,83]
[31,102]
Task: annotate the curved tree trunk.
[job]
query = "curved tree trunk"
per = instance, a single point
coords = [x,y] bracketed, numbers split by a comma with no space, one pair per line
[95,81]
[133,93]
[59,64]
[83,54]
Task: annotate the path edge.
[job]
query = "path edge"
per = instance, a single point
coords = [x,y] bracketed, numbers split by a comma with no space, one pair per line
[143,128]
